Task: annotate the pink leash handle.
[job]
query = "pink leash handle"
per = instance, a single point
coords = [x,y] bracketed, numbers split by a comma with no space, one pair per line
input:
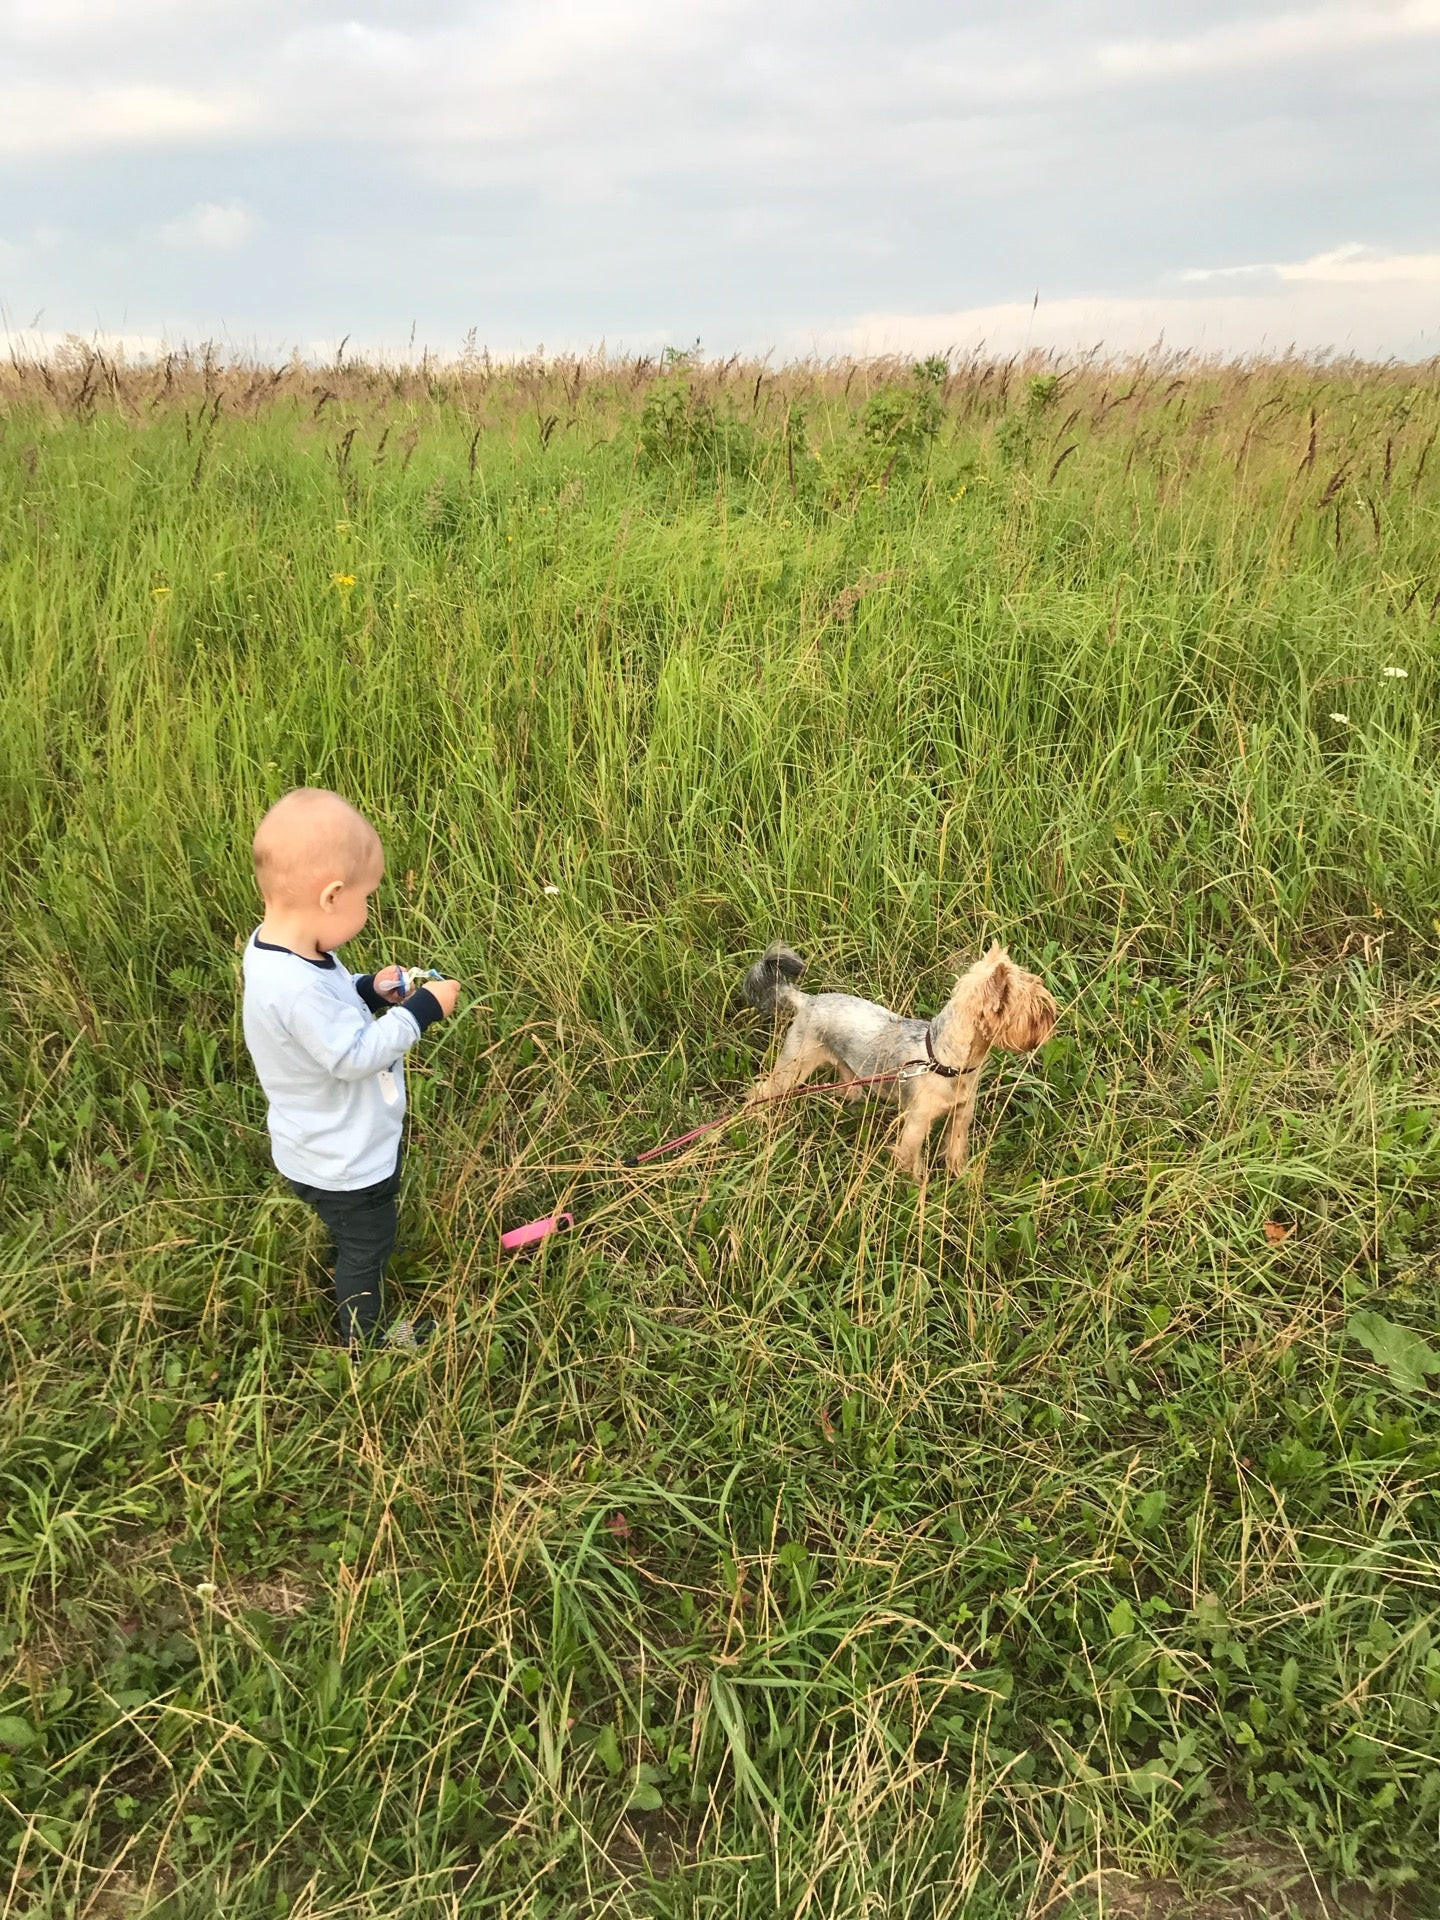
[534,1231]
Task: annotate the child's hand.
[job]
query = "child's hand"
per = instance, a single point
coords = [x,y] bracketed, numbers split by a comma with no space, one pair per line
[387,985]
[447,992]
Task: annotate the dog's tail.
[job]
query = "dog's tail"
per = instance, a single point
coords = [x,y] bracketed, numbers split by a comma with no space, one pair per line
[768,985]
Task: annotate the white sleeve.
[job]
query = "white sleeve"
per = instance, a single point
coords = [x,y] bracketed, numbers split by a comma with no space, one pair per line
[347,1041]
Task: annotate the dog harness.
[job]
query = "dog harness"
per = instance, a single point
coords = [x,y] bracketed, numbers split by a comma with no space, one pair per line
[938,1066]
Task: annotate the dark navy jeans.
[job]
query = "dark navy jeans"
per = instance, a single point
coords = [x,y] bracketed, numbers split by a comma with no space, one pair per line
[363,1225]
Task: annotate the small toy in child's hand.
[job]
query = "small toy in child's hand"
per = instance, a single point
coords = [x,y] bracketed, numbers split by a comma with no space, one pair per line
[407,979]
[535,1231]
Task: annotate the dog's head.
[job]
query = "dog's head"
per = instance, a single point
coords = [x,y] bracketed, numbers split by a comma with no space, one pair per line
[1007,1007]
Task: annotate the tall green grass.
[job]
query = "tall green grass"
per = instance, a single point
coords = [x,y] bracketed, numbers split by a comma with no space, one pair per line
[787,1540]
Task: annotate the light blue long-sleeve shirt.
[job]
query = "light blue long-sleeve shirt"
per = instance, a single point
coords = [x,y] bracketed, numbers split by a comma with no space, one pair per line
[332,1072]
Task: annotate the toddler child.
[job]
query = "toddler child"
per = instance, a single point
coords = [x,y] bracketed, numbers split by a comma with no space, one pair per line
[330,1069]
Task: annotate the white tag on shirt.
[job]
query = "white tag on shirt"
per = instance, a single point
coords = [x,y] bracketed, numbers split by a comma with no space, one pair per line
[389,1091]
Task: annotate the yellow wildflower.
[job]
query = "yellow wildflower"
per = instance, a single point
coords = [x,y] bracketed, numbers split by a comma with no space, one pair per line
[344,581]
[160,592]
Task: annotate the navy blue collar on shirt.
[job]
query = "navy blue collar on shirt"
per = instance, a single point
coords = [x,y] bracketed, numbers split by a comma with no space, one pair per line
[268,946]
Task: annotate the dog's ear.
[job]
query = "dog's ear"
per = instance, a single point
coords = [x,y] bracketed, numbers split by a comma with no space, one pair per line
[996,989]
[958,961]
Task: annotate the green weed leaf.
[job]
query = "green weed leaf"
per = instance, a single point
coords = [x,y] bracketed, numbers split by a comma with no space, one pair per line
[1121,1620]
[1403,1354]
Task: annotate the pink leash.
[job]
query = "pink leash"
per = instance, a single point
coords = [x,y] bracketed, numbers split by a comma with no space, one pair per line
[537,1230]
[728,1119]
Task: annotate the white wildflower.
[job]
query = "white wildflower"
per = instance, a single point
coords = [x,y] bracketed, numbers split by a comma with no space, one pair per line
[1343,718]
[1395,673]
[207,1590]
[550,890]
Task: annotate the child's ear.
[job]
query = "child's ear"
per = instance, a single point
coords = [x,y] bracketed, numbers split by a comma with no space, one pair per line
[330,894]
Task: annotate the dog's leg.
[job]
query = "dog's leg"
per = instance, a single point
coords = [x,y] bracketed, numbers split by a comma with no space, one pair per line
[957,1145]
[789,1074]
[921,1113]
[800,1056]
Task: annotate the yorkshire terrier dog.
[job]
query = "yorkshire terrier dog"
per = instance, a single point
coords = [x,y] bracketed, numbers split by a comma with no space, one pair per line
[932,1067]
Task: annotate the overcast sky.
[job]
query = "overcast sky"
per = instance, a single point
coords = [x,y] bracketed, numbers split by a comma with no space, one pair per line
[795,175]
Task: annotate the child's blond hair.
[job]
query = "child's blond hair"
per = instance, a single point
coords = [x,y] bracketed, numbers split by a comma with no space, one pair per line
[311,837]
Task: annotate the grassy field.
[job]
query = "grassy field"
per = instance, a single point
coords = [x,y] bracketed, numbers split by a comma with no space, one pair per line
[788,1540]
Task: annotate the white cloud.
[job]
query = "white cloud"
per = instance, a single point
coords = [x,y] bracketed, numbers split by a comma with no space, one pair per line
[210,228]
[1350,265]
[59,19]
[599,93]
[1315,32]
[39,119]
[567,92]
[1315,306]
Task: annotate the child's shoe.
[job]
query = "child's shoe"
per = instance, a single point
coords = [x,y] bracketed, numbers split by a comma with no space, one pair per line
[409,1336]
